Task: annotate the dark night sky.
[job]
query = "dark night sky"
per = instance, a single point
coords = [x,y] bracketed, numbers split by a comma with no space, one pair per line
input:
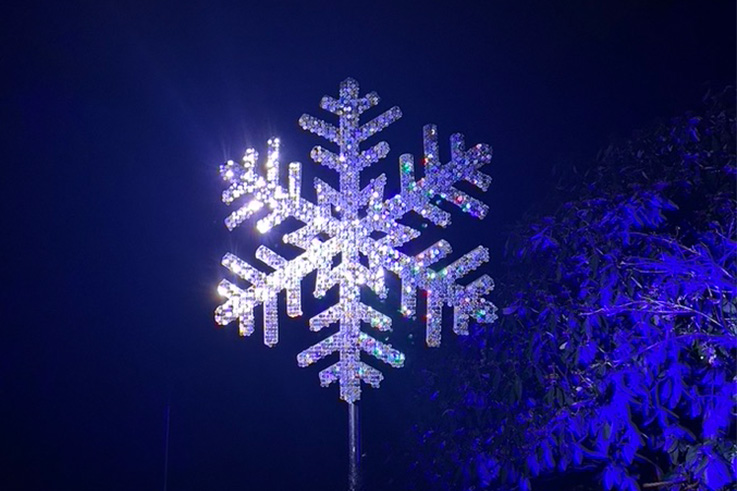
[115,119]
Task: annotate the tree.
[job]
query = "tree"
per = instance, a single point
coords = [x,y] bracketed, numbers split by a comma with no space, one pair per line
[615,357]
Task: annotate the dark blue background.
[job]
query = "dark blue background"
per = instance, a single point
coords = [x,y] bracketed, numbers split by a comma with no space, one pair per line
[116,116]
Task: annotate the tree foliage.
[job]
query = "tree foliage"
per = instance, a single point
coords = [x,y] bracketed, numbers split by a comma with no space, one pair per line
[616,352]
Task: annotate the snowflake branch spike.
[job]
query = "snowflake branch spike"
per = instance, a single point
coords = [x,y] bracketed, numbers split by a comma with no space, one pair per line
[351,231]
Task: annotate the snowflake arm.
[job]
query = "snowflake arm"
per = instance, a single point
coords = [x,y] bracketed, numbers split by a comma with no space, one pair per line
[438,183]
[258,192]
[264,289]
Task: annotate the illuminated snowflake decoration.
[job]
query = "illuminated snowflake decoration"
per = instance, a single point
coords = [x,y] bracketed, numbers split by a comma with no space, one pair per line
[355,223]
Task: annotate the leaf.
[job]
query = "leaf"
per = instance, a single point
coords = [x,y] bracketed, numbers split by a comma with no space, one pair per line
[628,483]
[607,428]
[509,310]
[716,417]
[495,380]
[628,451]
[586,353]
[666,389]
[559,396]
[547,455]
[577,454]
[563,463]
[716,473]
[612,476]
[674,454]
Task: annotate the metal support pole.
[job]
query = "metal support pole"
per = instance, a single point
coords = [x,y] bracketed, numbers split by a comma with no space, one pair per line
[354,447]
[166,447]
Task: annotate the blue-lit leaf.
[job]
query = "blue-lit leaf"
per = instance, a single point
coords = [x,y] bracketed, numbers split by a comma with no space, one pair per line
[586,353]
[716,417]
[577,454]
[486,469]
[612,476]
[547,455]
[628,483]
[628,451]
[716,473]
[563,462]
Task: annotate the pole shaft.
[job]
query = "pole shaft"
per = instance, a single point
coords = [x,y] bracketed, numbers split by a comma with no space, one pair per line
[166,447]
[354,447]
